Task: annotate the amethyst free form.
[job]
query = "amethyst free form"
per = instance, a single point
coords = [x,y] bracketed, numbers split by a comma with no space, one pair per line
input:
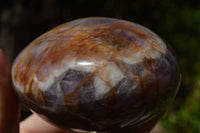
[96,73]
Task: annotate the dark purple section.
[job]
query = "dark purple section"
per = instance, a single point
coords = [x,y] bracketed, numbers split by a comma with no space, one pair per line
[50,96]
[71,79]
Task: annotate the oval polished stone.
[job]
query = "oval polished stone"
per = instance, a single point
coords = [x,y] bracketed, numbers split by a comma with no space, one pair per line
[96,73]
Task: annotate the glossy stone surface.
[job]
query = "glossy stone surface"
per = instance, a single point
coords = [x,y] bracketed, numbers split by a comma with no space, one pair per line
[96,73]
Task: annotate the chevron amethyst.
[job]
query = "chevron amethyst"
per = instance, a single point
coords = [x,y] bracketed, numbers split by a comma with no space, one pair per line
[96,73]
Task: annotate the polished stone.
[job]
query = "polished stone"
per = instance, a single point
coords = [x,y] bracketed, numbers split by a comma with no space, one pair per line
[95,73]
